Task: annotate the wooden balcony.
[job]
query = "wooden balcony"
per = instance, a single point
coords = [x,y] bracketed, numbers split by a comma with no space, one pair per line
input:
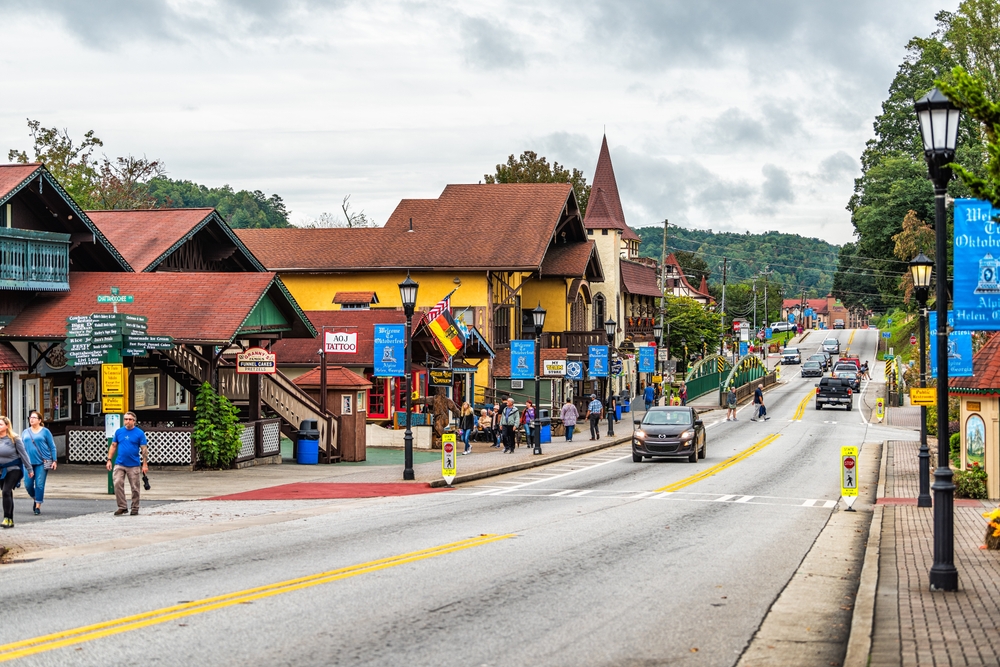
[639,329]
[34,261]
[575,342]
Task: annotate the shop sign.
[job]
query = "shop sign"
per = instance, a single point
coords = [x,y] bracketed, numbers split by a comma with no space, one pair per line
[440,377]
[554,367]
[256,360]
[390,344]
[959,348]
[574,370]
[598,355]
[522,359]
[340,342]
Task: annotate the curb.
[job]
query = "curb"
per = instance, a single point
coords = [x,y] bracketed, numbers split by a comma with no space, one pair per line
[533,463]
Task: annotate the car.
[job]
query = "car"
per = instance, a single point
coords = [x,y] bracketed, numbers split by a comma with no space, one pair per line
[791,355]
[831,345]
[778,327]
[838,324]
[812,369]
[850,377]
[833,391]
[821,358]
[669,431]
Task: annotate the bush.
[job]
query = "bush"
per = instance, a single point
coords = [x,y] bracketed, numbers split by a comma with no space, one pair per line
[216,435]
[971,483]
[955,450]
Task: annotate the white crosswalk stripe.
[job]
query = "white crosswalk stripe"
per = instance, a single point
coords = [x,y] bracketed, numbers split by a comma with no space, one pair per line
[611,494]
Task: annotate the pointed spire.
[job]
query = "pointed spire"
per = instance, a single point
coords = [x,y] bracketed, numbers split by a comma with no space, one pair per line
[703,288]
[604,179]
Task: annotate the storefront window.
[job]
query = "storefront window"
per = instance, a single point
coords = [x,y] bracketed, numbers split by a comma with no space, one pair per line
[178,397]
[62,409]
[147,391]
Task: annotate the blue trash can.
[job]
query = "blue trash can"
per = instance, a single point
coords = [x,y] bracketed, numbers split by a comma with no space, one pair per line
[544,426]
[307,443]
[626,408]
[618,412]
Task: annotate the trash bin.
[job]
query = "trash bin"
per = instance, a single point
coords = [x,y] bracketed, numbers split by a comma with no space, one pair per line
[618,412]
[307,448]
[626,408]
[544,425]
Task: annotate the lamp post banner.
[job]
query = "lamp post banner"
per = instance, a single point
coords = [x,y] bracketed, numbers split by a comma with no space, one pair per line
[598,356]
[647,359]
[522,360]
[959,348]
[389,350]
[976,298]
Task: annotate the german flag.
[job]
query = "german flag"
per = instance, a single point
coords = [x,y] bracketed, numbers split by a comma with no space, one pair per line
[449,337]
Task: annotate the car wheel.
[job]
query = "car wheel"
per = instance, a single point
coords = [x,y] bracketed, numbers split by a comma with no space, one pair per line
[694,455]
[636,458]
[819,407]
[850,406]
[704,449]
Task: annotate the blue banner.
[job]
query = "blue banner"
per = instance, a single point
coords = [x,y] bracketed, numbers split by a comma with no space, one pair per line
[574,370]
[959,348]
[791,318]
[809,312]
[389,352]
[976,285]
[744,348]
[647,359]
[522,359]
[767,333]
[598,361]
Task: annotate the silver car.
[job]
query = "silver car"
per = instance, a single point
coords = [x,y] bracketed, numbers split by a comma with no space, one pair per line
[831,345]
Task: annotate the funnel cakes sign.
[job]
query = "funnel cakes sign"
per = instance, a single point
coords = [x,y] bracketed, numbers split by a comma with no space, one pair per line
[256,360]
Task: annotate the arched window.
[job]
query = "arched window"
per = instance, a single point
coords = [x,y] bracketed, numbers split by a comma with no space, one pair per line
[600,312]
[578,314]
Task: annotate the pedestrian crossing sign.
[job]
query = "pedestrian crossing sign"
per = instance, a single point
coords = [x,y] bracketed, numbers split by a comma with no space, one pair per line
[448,465]
[849,475]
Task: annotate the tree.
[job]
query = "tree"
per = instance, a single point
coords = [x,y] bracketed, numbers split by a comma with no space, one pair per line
[350,219]
[124,183]
[241,209]
[854,283]
[689,320]
[529,168]
[917,237]
[693,267]
[72,164]
[969,93]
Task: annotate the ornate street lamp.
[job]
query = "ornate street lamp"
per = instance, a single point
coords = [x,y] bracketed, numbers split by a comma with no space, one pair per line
[939,120]
[408,295]
[538,315]
[921,268]
[609,328]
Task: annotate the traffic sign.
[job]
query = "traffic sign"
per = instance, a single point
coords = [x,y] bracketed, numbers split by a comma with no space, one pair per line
[886,334]
[926,396]
[113,404]
[448,464]
[112,379]
[663,354]
[115,298]
[913,339]
[880,409]
[849,476]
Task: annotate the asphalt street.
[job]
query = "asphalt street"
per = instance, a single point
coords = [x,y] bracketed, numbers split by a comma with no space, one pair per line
[591,561]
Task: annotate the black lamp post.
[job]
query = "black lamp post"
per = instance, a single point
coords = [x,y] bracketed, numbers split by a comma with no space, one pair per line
[921,268]
[658,335]
[939,120]
[538,315]
[609,328]
[408,295]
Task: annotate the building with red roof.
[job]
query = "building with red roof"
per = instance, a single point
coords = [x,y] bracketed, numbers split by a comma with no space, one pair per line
[979,416]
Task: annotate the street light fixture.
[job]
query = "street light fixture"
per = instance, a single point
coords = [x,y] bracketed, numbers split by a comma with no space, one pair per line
[939,120]
[609,328]
[538,316]
[921,268]
[408,295]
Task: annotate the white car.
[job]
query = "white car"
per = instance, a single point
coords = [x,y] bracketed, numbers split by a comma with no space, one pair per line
[778,327]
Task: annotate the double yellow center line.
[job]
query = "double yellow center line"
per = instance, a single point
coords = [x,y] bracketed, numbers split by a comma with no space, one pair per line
[719,467]
[803,404]
[87,633]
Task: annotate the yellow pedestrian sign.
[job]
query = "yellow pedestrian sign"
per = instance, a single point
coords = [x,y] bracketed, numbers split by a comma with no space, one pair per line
[849,476]
[448,464]
[880,409]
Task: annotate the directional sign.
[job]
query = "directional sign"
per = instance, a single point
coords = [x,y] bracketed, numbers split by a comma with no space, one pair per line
[926,396]
[849,475]
[115,298]
[886,334]
[113,404]
[448,464]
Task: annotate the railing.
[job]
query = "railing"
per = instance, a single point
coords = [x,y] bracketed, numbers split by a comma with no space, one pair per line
[578,342]
[748,370]
[706,376]
[639,328]
[294,406]
[32,260]
[188,361]
[234,386]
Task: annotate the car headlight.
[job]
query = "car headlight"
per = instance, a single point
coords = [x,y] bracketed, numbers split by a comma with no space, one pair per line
[687,435]
[640,434]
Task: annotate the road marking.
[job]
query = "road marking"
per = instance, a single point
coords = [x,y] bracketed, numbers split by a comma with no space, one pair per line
[563,493]
[800,411]
[684,496]
[809,503]
[723,499]
[602,460]
[581,493]
[719,467]
[744,499]
[88,633]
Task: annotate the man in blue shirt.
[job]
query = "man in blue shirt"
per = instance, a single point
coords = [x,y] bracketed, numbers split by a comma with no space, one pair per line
[648,394]
[130,443]
[594,415]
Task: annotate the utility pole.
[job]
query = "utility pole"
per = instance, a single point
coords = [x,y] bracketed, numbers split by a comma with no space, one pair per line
[765,273]
[722,309]
[663,301]
[755,305]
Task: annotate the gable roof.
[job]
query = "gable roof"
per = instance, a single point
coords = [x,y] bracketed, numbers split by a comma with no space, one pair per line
[368,298]
[11,359]
[146,237]
[604,208]
[678,273]
[13,175]
[573,260]
[336,376]
[191,307]
[985,372]
[639,279]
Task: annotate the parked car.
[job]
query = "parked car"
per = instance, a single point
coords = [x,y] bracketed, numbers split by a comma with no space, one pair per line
[812,369]
[778,327]
[821,358]
[791,355]
[669,431]
[831,345]
[833,391]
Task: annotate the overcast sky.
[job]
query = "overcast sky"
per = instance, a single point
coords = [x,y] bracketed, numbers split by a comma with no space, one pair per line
[725,114]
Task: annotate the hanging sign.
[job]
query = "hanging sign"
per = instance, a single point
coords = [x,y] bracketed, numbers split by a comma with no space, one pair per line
[598,355]
[647,359]
[340,342]
[522,359]
[959,348]
[554,367]
[389,347]
[976,285]
[849,475]
[448,464]
[256,360]
[617,368]
[574,370]
[440,377]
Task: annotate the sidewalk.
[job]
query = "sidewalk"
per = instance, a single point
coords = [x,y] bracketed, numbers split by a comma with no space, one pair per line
[909,624]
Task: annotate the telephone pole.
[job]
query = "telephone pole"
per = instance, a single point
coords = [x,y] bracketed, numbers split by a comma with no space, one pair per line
[722,308]
[663,300]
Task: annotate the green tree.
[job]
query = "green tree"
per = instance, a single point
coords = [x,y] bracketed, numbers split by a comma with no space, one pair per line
[689,320]
[693,266]
[854,283]
[529,168]
[72,164]
[216,434]
[241,209]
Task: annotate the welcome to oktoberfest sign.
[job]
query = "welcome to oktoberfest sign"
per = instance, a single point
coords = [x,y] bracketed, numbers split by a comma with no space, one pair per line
[976,297]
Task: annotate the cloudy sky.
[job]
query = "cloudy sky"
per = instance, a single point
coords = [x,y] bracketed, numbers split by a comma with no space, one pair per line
[721,114]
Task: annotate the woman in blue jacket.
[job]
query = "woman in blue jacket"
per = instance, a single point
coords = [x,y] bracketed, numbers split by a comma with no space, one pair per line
[41,448]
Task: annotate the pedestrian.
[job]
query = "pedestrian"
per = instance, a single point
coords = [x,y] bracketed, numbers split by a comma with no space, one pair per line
[13,465]
[497,429]
[648,394]
[683,394]
[508,422]
[528,421]
[731,404]
[41,448]
[594,409]
[611,414]
[864,371]
[760,410]
[569,414]
[467,423]
[130,444]
[486,425]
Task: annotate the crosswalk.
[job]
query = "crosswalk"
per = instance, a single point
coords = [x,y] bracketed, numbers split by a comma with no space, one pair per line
[612,494]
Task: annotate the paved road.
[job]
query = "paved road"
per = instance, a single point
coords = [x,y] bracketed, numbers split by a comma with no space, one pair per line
[585,562]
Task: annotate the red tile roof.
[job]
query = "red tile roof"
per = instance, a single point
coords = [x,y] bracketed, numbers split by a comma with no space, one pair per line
[679,272]
[336,376]
[305,351]
[191,307]
[573,260]
[985,371]
[605,183]
[639,279]
[355,297]
[144,236]
[418,209]
[12,175]
[11,359]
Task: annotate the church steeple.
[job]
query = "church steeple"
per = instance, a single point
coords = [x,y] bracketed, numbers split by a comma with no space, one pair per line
[604,183]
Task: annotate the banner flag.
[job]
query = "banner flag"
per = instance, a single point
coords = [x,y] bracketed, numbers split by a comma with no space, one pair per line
[450,339]
[959,348]
[976,284]
[522,359]
[647,359]
[598,361]
[389,352]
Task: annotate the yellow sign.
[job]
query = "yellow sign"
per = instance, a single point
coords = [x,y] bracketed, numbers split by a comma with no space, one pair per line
[448,464]
[880,409]
[657,379]
[777,373]
[113,404]
[112,380]
[849,474]
[923,396]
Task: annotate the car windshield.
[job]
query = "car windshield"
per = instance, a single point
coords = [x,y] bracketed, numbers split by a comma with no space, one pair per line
[845,374]
[811,364]
[667,418]
[791,350]
[817,357]
[831,341]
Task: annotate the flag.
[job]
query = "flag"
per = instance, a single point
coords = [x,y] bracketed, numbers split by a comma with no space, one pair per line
[441,306]
[449,338]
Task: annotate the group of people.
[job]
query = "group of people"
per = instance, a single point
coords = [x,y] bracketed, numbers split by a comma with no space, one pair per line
[28,458]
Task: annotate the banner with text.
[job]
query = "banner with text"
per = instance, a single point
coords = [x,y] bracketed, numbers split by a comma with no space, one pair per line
[522,359]
[647,359]
[976,297]
[959,348]
[389,350]
[598,356]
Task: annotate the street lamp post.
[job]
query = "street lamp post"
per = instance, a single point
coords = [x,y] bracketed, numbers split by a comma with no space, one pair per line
[921,268]
[538,315]
[408,295]
[658,335]
[609,328]
[939,119]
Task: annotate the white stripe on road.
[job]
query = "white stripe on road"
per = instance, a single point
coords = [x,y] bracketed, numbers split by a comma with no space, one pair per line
[581,493]
[744,499]
[724,499]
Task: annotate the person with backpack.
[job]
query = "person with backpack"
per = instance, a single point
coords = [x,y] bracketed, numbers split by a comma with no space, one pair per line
[41,448]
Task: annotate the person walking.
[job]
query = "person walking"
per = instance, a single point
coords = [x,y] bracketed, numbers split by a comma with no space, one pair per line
[508,422]
[528,421]
[731,404]
[130,444]
[760,410]
[41,448]
[648,395]
[467,424]
[13,465]
[497,429]
[611,414]
[683,394]
[569,414]
[594,415]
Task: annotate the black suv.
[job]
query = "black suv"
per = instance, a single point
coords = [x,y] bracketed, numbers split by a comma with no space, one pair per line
[669,431]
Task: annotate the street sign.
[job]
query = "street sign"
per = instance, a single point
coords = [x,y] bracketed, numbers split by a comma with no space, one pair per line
[926,396]
[112,379]
[886,334]
[663,354]
[448,464]
[849,475]
[115,298]
[889,321]
[113,404]
[913,339]
[880,409]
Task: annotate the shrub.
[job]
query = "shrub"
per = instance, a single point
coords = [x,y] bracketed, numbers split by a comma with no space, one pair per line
[971,483]
[955,447]
[216,435]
